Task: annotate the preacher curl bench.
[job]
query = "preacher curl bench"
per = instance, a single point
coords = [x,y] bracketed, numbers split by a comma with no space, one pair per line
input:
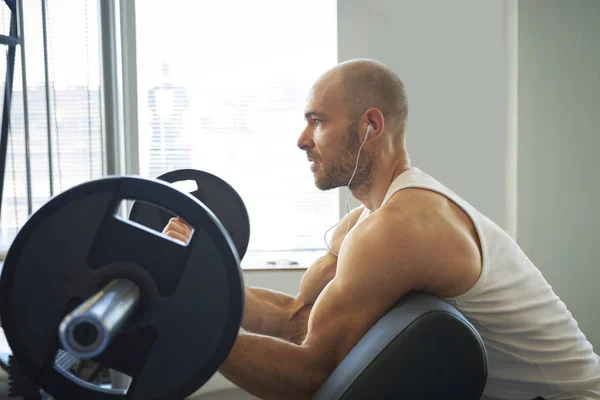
[81,285]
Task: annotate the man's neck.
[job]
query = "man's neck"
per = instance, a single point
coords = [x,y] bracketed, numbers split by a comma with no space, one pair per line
[382,177]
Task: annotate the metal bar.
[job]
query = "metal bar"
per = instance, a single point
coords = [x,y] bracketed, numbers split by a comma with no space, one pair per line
[88,330]
[47,80]
[9,40]
[130,95]
[101,110]
[25,109]
[111,88]
[89,101]
[11,5]
[10,70]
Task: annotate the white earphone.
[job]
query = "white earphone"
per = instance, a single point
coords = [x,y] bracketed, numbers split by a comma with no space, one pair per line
[347,208]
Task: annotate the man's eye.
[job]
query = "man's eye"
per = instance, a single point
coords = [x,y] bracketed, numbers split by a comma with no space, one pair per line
[317,121]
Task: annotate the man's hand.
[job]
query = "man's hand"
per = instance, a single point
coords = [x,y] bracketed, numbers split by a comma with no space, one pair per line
[178,230]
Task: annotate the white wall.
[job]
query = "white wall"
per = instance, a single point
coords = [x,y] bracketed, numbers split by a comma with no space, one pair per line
[559,147]
[452,57]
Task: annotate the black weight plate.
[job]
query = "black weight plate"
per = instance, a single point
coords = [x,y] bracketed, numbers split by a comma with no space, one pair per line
[191,295]
[215,193]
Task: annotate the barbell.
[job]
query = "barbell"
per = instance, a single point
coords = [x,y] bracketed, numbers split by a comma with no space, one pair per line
[81,283]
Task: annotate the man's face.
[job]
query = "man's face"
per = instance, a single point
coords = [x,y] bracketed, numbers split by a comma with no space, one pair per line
[331,140]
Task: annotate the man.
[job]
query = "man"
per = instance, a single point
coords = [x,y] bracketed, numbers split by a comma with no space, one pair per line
[410,234]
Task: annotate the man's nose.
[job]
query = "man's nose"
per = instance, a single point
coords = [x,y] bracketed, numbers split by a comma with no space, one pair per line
[305,142]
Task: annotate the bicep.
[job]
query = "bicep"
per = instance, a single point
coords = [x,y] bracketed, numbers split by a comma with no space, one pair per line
[339,320]
[331,332]
[372,275]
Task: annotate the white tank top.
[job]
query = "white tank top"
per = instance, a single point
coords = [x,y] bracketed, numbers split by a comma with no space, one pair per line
[534,345]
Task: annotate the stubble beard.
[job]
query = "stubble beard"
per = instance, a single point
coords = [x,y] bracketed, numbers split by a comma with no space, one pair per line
[340,169]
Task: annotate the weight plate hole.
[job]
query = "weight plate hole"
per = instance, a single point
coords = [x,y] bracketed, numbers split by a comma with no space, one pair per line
[186,186]
[156,217]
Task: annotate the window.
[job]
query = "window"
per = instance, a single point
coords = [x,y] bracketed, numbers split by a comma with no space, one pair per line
[64,115]
[222,87]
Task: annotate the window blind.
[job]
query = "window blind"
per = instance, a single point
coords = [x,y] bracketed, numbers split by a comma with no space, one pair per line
[61,40]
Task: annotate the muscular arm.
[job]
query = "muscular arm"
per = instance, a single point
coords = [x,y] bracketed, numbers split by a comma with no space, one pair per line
[272,313]
[384,258]
[266,311]
[369,280]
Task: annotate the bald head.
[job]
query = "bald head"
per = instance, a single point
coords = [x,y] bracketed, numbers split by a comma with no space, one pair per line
[365,84]
[340,106]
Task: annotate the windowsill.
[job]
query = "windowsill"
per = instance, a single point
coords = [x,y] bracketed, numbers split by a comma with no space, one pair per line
[274,268]
[280,260]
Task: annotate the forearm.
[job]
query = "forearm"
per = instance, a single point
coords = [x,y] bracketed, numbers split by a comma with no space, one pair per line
[266,311]
[272,368]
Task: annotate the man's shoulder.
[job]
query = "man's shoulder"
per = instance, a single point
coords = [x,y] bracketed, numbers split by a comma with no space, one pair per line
[418,229]
[386,247]
[408,208]
[345,224]
[413,199]
[398,222]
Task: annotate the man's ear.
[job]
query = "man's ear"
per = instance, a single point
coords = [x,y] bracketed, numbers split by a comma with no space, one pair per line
[373,118]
